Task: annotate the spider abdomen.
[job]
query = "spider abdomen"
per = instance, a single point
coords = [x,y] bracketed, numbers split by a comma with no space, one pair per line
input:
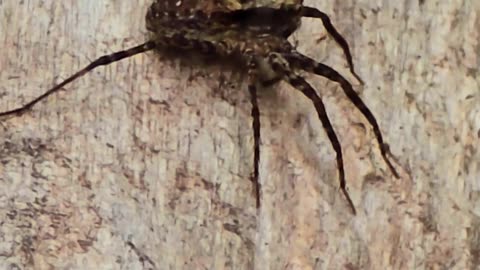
[205,16]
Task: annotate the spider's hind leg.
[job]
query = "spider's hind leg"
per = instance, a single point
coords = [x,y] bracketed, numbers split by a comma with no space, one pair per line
[256,141]
[299,61]
[279,65]
[315,13]
[255,113]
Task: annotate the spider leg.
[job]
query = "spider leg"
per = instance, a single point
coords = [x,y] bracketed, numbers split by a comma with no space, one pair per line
[300,61]
[174,41]
[252,88]
[315,13]
[101,61]
[256,138]
[303,86]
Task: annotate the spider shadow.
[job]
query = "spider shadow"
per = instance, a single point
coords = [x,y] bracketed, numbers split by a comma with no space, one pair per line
[227,79]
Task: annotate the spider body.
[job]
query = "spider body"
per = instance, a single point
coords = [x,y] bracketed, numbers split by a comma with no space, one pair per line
[197,17]
[254,34]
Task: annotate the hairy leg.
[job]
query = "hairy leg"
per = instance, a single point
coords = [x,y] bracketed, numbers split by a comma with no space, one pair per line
[256,138]
[303,86]
[101,61]
[252,88]
[299,61]
[315,13]
[174,41]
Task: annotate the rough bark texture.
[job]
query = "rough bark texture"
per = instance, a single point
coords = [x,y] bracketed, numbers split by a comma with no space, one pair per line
[145,164]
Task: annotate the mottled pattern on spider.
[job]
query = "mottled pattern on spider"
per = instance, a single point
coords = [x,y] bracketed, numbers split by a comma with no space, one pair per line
[254,34]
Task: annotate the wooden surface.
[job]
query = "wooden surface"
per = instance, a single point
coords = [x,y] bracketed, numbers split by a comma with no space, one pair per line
[145,164]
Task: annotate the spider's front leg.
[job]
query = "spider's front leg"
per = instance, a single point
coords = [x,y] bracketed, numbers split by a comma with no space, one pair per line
[280,65]
[315,13]
[299,61]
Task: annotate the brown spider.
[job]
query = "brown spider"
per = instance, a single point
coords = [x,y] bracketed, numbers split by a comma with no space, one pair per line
[253,34]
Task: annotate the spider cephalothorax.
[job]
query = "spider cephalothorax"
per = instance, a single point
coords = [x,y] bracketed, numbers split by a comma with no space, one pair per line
[254,34]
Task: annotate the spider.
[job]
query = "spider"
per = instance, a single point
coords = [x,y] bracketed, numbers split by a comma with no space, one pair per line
[254,35]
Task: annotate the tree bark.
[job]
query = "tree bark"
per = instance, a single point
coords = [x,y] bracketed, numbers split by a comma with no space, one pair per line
[145,163]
